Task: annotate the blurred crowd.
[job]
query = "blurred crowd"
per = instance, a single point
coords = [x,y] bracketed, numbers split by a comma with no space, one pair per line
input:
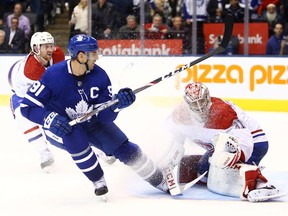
[120,19]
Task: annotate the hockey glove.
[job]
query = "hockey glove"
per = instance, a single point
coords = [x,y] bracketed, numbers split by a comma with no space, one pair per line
[227,151]
[126,97]
[57,124]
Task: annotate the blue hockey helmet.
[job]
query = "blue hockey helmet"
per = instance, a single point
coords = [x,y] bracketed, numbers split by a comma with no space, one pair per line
[82,43]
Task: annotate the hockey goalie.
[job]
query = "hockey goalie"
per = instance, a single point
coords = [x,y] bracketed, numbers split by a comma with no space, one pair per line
[233,144]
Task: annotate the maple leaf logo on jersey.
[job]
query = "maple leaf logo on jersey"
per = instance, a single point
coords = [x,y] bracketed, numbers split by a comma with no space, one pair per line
[80,38]
[81,109]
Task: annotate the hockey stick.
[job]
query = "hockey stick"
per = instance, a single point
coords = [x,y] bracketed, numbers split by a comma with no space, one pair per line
[229,23]
[174,187]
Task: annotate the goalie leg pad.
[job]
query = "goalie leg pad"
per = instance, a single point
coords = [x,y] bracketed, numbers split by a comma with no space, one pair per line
[226,182]
[242,180]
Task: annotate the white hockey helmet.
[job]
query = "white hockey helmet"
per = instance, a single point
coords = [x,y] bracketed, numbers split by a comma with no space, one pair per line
[197,96]
[39,38]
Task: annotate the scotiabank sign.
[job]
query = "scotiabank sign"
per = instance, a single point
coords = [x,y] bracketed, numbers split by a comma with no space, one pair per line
[133,47]
[257,37]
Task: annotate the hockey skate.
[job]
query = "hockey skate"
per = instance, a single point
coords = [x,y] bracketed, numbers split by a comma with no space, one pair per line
[101,188]
[47,161]
[109,159]
[263,194]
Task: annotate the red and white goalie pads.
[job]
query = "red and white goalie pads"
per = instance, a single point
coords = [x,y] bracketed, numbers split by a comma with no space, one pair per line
[227,151]
[242,180]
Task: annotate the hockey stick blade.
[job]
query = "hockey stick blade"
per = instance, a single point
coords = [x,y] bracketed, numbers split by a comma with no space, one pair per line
[229,23]
[171,180]
[190,184]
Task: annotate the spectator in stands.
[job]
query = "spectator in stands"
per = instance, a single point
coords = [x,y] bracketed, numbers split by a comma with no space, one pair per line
[123,8]
[131,30]
[156,29]
[156,7]
[24,22]
[147,11]
[201,16]
[264,3]
[284,13]
[172,8]
[284,46]
[103,20]
[178,31]
[4,48]
[237,9]
[79,19]
[71,4]
[15,37]
[215,10]
[272,17]
[274,43]
[44,11]
[2,24]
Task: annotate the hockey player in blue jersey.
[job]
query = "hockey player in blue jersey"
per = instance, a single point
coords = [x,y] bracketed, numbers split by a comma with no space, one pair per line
[71,89]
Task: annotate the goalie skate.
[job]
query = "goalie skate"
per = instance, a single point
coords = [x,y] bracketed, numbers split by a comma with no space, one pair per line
[264,194]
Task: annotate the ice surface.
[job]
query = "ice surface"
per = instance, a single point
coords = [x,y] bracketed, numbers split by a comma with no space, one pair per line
[26,190]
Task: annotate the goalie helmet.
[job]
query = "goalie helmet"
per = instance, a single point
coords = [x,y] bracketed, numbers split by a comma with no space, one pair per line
[39,38]
[197,96]
[82,43]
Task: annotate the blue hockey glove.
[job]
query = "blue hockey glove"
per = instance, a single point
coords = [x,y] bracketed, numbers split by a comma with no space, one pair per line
[57,124]
[126,97]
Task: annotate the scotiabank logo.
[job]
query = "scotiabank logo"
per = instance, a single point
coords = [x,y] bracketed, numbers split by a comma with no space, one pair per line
[134,47]
[134,50]
[257,36]
[220,73]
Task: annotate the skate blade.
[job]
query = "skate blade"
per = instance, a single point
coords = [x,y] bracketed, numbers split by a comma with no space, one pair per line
[265,198]
[103,198]
[48,169]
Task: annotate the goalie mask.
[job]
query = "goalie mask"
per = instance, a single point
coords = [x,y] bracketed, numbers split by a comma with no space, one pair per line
[198,98]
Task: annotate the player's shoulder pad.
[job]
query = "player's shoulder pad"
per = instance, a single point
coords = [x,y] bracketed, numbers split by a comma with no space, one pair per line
[58,55]
[33,69]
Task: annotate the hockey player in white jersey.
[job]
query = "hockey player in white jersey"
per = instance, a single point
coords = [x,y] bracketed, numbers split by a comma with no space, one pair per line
[234,142]
[22,75]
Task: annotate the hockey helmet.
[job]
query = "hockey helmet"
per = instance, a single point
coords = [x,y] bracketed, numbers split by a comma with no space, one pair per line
[82,43]
[39,38]
[197,96]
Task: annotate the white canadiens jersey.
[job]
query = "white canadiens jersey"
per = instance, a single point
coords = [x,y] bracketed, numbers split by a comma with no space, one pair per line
[224,116]
[28,70]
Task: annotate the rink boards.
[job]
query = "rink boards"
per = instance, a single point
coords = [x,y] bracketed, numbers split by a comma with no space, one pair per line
[254,83]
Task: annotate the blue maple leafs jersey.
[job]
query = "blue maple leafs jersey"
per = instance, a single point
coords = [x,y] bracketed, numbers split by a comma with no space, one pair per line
[60,91]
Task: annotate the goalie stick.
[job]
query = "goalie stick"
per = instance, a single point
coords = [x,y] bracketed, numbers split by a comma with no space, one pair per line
[229,23]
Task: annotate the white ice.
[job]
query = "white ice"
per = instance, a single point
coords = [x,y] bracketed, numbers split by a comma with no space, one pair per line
[26,190]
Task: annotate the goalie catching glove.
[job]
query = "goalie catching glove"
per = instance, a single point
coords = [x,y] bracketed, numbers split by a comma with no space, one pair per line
[58,125]
[227,151]
[125,98]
